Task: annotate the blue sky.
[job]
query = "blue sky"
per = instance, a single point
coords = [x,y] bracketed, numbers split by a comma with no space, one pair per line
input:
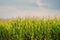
[13,8]
[54,4]
[18,3]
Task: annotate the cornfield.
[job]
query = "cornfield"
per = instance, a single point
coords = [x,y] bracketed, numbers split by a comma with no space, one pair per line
[30,29]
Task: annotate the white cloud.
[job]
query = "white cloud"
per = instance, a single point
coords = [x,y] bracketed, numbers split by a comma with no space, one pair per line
[40,3]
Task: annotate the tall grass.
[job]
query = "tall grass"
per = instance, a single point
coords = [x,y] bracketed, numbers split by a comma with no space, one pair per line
[30,29]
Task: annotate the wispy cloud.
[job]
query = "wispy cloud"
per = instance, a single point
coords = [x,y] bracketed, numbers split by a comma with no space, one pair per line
[40,3]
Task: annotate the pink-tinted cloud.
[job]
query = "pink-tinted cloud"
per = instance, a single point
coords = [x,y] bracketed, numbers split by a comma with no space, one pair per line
[8,12]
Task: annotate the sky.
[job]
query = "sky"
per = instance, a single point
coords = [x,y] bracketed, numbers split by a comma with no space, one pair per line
[29,8]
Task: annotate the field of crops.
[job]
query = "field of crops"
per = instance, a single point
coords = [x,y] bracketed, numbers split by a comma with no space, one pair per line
[30,29]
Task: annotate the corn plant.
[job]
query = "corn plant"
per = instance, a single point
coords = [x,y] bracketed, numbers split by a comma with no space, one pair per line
[30,29]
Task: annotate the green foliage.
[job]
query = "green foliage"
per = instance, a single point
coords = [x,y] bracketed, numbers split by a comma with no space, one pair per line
[30,29]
